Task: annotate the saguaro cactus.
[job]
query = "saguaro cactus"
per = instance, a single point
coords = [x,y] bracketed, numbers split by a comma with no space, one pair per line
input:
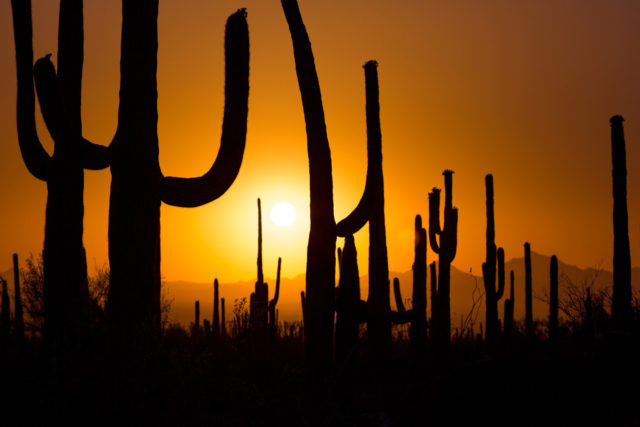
[508,310]
[350,309]
[138,185]
[215,323]
[528,296]
[418,330]
[553,299]
[273,321]
[320,272]
[223,320]
[260,297]
[65,281]
[492,295]
[196,323]
[621,312]
[446,250]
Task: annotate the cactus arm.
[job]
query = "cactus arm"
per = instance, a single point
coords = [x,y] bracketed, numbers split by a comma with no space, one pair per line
[34,155]
[500,274]
[360,215]
[398,295]
[70,59]
[274,301]
[89,155]
[192,192]
[453,237]
[434,219]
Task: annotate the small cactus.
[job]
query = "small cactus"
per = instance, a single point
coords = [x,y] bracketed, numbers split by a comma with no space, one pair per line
[508,311]
[553,299]
[215,324]
[528,292]
[223,321]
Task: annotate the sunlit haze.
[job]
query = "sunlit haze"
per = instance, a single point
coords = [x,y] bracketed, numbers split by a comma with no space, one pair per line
[522,90]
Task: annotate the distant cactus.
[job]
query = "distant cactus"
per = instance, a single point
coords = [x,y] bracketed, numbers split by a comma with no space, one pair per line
[418,331]
[18,321]
[223,320]
[553,299]
[320,274]
[138,186]
[508,311]
[196,323]
[528,293]
[273,320]
[65,291]
[215,324]
[492,295]
[5,326]
[621,311]
[398,295]
[446,250]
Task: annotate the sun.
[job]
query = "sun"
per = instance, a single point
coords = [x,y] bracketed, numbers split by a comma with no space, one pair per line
[283,213]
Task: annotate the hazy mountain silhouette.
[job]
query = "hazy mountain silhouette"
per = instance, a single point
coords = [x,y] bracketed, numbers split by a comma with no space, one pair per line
[462,290]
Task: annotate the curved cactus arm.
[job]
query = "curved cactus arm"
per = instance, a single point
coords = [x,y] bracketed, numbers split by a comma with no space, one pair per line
[274,301]
[192,192]
[88,155]
[34,155]
[434,219]
[360,215]
[398,295]
[500,274]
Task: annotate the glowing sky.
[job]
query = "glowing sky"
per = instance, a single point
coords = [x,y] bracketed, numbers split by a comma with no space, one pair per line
[520,89]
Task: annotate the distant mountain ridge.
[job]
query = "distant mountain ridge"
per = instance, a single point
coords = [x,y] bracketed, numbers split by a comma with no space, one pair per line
[465,288]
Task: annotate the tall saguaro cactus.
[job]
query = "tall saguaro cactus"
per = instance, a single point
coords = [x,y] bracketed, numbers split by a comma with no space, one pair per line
[492,295]
[318,303]
[528,293]
[65,280]
[418,330]
[138,185]
[621,312]
[446,249]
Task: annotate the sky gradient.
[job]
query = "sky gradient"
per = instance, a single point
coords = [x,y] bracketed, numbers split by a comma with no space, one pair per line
[522,90]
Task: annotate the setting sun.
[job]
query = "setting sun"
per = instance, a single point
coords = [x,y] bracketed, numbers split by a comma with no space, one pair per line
[283,213]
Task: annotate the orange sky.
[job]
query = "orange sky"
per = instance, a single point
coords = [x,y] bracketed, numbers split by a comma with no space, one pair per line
[523,90]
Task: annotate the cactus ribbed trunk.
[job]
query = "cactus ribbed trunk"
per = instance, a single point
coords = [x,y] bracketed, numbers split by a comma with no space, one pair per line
[528,293]
[378,304]
[553,299]
[134,257]
[621,312]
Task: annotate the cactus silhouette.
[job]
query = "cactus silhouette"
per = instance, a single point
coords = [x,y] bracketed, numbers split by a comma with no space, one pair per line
[320,272]
[398,295]
[621,312]
[18,321]
[138,185]
[196,323]
[260,297]
[5,326]
[528,297]
[508,311]
[273,321]
[215,322]
[418,330]
[223,320]
[65,290]
[350,310]
[492,295]
[446,250]
[553,299]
